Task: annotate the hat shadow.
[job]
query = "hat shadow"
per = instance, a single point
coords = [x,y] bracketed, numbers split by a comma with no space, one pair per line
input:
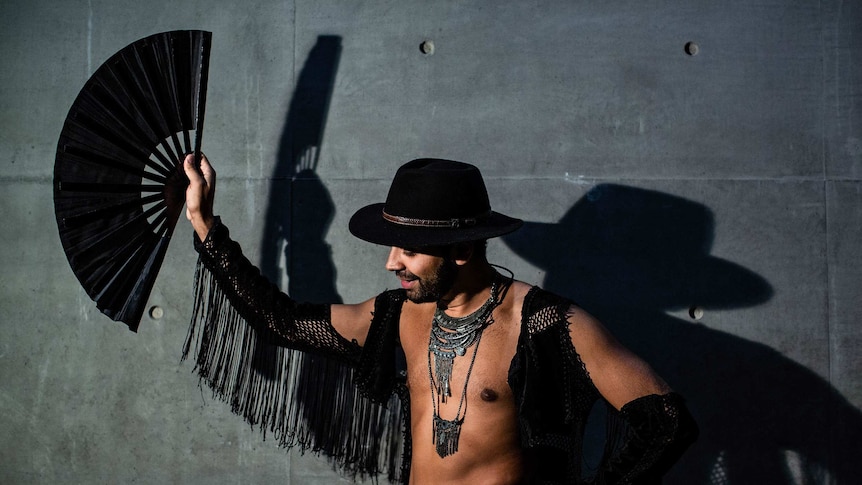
[629,256]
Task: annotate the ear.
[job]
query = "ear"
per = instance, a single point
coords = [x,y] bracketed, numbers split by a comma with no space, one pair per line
[462,253]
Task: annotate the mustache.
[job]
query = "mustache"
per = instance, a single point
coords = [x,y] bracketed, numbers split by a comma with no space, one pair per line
[406,275]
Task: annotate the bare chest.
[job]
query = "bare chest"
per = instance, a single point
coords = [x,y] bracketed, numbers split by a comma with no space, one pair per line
[478,379]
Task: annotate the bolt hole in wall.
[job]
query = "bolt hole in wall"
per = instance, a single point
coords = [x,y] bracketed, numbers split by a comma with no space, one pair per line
[426,47]
[691,48]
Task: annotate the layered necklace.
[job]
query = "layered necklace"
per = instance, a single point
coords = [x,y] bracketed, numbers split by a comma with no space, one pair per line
[450,338]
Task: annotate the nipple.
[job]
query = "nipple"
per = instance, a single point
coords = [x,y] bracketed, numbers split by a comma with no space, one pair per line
[488,395]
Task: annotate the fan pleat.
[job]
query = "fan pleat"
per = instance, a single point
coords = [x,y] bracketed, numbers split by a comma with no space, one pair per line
[121,292]
[113,98]
[109,188]
[118,183]
[101,133]
[110,254]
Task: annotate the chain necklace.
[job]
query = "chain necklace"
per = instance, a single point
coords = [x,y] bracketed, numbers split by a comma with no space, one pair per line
[451,337]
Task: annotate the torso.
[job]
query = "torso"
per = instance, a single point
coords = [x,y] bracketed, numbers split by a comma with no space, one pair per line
[488,451]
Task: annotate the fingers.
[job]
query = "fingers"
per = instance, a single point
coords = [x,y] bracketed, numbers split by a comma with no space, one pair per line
[200,193]
[198,173]
[206,168]
[208,172]
[201,176]
[193,191]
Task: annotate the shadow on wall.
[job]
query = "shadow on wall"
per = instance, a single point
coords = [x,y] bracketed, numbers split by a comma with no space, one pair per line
[630,255]
[298,201]
[299,213]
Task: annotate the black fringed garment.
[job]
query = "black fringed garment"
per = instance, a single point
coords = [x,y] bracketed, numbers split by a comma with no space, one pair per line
[254,345]
[282,366]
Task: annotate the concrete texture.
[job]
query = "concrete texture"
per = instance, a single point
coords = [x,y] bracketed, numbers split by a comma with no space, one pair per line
[653,181]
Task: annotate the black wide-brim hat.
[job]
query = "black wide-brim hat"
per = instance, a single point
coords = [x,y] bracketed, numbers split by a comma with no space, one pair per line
[432,202]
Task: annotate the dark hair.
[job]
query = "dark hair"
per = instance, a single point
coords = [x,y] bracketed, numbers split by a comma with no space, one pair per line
[480,248]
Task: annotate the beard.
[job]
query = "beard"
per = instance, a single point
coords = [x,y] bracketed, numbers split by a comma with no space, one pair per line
[434,287]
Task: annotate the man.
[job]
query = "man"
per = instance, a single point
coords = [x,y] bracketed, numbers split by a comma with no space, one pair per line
[499,375]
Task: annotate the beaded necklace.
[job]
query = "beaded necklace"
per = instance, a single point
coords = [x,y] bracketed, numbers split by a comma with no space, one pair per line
[451,337]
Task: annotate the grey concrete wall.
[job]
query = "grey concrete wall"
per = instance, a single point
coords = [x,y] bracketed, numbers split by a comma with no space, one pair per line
[653,181]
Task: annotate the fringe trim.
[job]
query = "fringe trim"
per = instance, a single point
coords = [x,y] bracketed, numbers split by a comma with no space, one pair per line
[303,399]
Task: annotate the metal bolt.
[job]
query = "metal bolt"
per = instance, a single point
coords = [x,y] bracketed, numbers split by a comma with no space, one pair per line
[426,47]
[156,312]
[691,48]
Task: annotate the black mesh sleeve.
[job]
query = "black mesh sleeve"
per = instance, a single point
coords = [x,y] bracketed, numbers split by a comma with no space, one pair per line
[264,306]
[659,429]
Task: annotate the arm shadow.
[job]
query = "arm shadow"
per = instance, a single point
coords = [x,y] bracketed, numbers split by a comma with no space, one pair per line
[631,255]
[294,251]
[300,209]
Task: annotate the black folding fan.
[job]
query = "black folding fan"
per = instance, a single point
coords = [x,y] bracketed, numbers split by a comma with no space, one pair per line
[119,187]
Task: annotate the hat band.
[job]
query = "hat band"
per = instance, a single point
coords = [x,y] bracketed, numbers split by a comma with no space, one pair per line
[445,223]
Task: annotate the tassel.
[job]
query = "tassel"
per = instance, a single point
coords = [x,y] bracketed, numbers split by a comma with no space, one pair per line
[443,368]
[303,399]
[446,435]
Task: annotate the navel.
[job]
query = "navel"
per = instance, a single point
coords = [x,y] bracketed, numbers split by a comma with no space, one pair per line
[489,395]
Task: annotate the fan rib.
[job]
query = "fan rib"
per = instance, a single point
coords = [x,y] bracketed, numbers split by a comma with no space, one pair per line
[90,187]
[84,218]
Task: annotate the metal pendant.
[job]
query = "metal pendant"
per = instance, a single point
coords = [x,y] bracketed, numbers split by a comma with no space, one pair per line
[443,368]
[446,435]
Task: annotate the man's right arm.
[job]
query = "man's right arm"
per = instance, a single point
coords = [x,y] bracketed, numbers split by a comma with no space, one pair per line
[337,329]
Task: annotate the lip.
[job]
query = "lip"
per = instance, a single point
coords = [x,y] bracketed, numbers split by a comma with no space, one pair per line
[407,284]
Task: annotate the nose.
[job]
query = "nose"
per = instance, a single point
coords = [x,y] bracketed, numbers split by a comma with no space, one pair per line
[393,262]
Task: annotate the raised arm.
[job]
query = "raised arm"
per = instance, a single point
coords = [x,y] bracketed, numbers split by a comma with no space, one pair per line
[660,426]
[338,329]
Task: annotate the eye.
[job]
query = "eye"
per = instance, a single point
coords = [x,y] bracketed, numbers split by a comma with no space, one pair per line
[408,252]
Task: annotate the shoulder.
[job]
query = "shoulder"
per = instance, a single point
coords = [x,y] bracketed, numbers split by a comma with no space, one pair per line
[511,308]
[518,291]
[540,309]
[353,321]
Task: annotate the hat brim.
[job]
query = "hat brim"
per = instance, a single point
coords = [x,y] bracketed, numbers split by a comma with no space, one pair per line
[369,225]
